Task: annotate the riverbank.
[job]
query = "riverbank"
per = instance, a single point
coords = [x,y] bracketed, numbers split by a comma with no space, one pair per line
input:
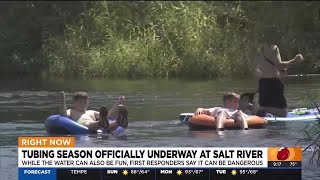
[134,40]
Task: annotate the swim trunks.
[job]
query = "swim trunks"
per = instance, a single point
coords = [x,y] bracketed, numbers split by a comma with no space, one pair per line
[271,93]
[84,119]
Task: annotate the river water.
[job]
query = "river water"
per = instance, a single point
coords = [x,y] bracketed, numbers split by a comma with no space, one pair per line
[154,107]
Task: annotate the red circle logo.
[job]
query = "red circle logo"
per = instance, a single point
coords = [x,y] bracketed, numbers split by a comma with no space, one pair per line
[283,153]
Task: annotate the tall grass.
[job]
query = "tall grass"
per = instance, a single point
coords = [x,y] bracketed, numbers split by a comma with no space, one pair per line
[150,39]
[312,131]
[312,134]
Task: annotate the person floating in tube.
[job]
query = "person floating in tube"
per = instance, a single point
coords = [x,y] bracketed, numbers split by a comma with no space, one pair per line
[229,111]
[92,119]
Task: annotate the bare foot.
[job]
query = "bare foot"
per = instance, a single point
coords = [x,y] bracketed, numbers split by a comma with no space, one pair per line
[121,100]
[221,117]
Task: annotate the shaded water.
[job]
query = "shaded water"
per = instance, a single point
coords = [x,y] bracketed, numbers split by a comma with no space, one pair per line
[154,107]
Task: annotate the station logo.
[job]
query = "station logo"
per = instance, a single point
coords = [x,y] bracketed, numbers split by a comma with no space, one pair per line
[284,154]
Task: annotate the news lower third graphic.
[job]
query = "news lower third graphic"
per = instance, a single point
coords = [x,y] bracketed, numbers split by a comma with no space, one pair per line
[57,158]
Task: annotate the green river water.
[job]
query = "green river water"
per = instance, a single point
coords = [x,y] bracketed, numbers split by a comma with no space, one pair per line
[154,107]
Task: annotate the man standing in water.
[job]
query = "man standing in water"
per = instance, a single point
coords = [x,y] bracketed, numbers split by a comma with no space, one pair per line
[269,72]
[92,119]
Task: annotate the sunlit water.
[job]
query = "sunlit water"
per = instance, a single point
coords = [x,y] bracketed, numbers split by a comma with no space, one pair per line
[154,107]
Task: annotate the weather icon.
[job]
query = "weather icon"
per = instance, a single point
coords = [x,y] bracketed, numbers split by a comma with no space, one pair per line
[283,154]
[233,172]
[125,172]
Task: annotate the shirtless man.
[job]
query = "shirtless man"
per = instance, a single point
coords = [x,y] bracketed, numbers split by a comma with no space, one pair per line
[230,110]
[269,72]
[92,119]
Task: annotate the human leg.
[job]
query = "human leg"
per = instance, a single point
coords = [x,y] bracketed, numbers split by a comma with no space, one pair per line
[93,126]
[103,116]
[271,97]
[278,112]
[222,116]
[122,118]
[240,120]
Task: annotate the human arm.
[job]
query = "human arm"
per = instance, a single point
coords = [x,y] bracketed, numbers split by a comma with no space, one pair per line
[122,119]
[202,111]
[96,115]
[63,105]
[113,125]
[113,112]
[283,65]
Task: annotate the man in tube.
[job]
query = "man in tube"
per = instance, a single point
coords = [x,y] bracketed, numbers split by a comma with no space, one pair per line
[229,111]
[92,119]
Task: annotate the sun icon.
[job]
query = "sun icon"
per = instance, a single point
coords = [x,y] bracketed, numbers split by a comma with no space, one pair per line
[179,172]
[234,172]
[125,172]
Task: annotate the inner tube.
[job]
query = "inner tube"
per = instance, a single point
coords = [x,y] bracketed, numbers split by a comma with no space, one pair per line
[205,122]
[58,124]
